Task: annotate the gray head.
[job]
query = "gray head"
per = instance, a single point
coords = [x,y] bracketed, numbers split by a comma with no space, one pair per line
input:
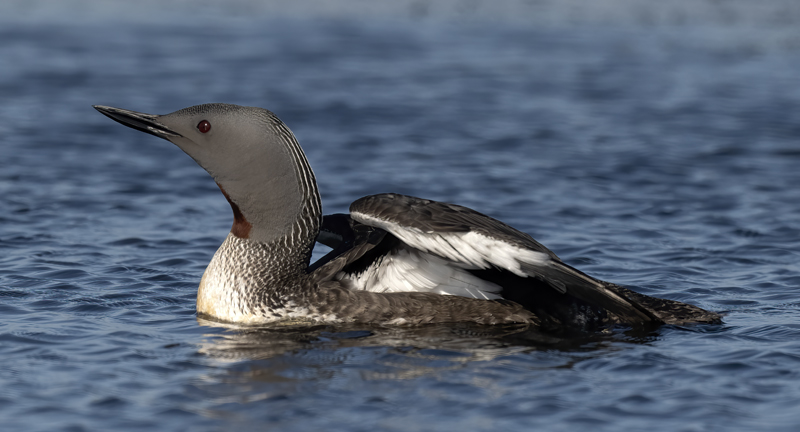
[254,158]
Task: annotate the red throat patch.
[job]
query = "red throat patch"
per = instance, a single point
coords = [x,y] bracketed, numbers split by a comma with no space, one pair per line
[241,227]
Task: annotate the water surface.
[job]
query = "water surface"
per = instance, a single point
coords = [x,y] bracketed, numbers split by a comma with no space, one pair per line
[645,150]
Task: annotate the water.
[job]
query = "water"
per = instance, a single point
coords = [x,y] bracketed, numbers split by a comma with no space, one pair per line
[656,147]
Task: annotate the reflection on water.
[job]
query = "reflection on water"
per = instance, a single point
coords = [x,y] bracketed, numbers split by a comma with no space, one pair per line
[453,343]
[333,367]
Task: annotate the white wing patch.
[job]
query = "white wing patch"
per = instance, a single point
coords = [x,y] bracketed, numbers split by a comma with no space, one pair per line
[408,270]
[471,248]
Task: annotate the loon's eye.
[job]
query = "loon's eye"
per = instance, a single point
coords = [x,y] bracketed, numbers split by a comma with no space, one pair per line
[204,126]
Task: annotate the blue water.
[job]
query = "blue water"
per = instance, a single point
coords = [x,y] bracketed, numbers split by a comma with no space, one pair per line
[653,148]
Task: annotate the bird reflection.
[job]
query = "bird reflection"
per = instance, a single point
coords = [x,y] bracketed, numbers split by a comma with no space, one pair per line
[299,352]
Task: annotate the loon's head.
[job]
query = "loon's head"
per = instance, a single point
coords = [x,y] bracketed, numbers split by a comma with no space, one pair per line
[251,154]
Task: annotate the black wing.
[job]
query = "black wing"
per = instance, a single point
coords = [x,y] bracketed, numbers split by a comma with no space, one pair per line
[483,244]
[354,245]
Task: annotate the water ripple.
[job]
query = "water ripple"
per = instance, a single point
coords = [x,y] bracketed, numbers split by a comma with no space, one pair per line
[654,146]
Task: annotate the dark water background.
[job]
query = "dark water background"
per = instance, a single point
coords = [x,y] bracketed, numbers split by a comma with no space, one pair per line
[652,145]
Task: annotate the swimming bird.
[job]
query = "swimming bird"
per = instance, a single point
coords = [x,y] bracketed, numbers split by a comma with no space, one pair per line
[395,259]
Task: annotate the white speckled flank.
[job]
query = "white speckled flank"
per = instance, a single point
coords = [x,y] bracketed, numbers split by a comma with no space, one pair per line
[238,283]
[223,291]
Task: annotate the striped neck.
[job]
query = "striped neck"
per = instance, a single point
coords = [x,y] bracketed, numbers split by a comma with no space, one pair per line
[274,193]
[305,227]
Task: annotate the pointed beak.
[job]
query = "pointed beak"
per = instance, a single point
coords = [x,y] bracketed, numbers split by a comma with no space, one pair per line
[140,121]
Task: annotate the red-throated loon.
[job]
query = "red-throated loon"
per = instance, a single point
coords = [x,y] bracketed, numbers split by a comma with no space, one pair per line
[396,259]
